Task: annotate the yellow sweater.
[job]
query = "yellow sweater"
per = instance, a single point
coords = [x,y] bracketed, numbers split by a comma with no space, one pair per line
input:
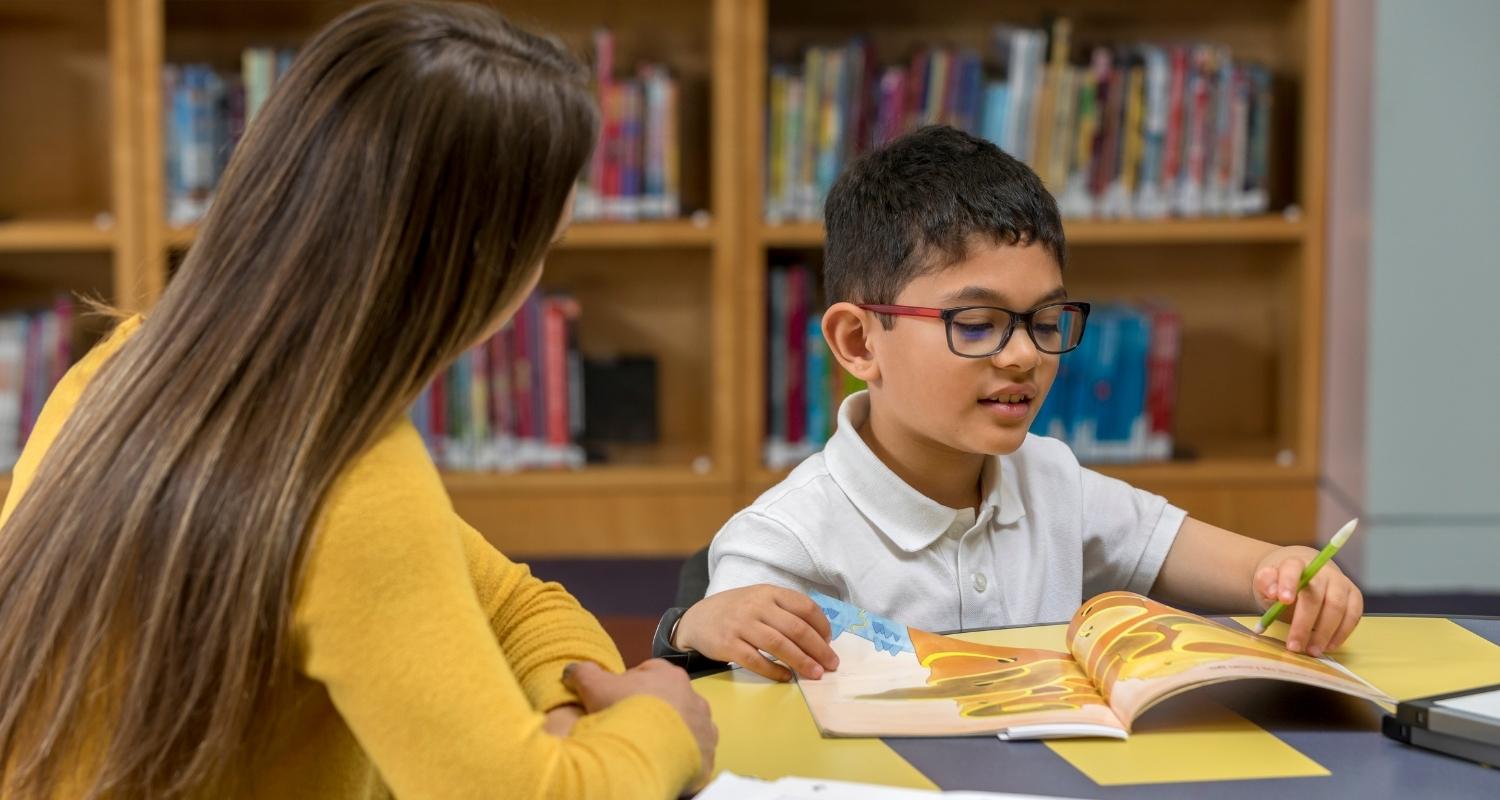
[425,658]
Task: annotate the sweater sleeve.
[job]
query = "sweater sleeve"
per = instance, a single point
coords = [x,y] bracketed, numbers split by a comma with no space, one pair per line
[540,627]
[388,620]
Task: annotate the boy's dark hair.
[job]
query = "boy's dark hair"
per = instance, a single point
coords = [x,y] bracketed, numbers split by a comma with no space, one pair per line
[914,205]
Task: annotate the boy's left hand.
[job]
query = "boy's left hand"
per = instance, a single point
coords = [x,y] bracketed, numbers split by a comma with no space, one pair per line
[1323,614]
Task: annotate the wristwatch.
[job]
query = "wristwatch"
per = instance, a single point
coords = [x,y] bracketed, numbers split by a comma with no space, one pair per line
[661,643]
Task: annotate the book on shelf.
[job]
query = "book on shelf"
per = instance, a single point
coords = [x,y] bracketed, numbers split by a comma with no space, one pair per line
[804,383]
[514,401]
[1114,398]
[1132,130]
[635,171]
[1120,655]
[206,110]
[36,349]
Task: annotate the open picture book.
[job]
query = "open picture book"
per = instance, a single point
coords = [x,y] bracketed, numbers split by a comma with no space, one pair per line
[1125,654]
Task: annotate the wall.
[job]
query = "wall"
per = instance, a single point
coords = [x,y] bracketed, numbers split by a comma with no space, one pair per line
[1412,431]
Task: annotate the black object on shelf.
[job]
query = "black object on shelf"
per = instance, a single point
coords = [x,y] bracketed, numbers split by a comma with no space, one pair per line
[619,402]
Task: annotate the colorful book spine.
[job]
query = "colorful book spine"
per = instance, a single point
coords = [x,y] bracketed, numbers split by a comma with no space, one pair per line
[796,367]
[777,359]
[515,401]
[35,352]
[803,382]
[205,114]
[816,383]
[1161,389]
[1138,131]
[557,311]
[1112,400]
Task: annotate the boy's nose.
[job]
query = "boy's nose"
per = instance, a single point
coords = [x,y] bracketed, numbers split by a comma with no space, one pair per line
[1018,353]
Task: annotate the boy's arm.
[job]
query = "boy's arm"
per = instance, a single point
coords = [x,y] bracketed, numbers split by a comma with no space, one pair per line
[1211,566]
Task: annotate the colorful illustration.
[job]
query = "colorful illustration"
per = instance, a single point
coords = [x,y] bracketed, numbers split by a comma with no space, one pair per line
[887,636]
[1126,652]
[988,681]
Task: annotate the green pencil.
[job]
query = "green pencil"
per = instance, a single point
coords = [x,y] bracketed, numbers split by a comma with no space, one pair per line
[1307,574]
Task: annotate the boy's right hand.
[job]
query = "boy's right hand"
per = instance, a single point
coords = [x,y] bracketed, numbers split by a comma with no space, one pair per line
[738,624]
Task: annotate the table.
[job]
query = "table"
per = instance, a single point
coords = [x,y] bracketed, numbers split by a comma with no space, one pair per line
[1247,739]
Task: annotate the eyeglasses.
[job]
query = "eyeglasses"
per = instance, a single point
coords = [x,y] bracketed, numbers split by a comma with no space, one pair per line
[982,331]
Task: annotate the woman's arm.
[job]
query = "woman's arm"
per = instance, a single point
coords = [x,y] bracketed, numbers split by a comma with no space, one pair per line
[389,622]
[540,627]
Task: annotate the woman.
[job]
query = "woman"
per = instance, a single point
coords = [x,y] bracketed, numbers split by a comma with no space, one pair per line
[228,566]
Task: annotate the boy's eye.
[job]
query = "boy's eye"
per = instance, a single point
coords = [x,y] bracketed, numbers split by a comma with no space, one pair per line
[973,330]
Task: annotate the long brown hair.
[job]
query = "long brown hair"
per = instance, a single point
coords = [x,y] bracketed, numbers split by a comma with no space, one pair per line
[397,191]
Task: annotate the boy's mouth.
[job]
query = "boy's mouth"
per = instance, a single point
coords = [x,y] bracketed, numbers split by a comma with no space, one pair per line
[1014,403]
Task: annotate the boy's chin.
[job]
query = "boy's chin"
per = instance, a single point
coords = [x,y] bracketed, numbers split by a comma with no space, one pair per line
[993,442]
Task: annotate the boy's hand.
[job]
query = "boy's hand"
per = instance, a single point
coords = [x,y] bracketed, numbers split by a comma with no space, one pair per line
[738,624]
[1323,614]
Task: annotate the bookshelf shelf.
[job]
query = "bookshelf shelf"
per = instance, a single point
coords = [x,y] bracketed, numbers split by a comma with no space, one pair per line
[54,235]
[669,234]
[602,478]
[663,235]
[1209,473]
[1261,229]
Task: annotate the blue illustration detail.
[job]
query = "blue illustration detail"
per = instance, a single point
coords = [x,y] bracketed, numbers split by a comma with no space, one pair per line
[887,636]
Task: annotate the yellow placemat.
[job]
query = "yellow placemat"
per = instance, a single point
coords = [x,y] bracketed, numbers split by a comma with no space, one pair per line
[765,731]
[1188,740]
[1410,657]
[1191,740]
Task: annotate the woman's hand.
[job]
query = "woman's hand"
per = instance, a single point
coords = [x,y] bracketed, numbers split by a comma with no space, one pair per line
[599,689]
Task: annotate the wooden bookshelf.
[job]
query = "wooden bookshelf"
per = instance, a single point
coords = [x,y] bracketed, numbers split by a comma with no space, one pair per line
[659,287]
[1249,289]
[85,143]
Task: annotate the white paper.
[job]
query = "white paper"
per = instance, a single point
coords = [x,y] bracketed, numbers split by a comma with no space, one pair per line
[729,786]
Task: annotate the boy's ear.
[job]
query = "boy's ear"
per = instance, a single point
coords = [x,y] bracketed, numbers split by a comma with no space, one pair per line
[848,330]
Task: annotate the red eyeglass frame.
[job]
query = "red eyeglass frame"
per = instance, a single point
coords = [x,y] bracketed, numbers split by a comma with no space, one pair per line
[947,315]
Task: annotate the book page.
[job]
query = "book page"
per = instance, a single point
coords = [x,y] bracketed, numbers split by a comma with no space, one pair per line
[898,681]
[1139,652]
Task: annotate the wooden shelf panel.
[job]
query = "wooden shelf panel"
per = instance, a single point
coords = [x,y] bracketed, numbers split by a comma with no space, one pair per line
[655,235]
[1262,229]
[1205,472]
[677,233]
[54,235]
[636,479]
[602,478]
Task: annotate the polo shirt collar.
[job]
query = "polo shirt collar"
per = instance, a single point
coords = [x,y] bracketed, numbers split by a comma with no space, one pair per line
[910,519]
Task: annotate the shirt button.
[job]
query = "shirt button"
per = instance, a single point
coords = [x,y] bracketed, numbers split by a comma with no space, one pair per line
[980,582]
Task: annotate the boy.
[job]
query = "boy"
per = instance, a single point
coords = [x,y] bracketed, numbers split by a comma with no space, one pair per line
[931,504]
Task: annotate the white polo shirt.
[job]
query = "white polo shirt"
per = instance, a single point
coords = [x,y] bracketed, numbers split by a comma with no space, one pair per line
[1048,534]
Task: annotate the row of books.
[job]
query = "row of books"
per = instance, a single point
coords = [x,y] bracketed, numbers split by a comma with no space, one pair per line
[1139,130]
[636,167]
[1114,398]
[515,401]
[803,382]
[36,349]
[635,172]
[206,113]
